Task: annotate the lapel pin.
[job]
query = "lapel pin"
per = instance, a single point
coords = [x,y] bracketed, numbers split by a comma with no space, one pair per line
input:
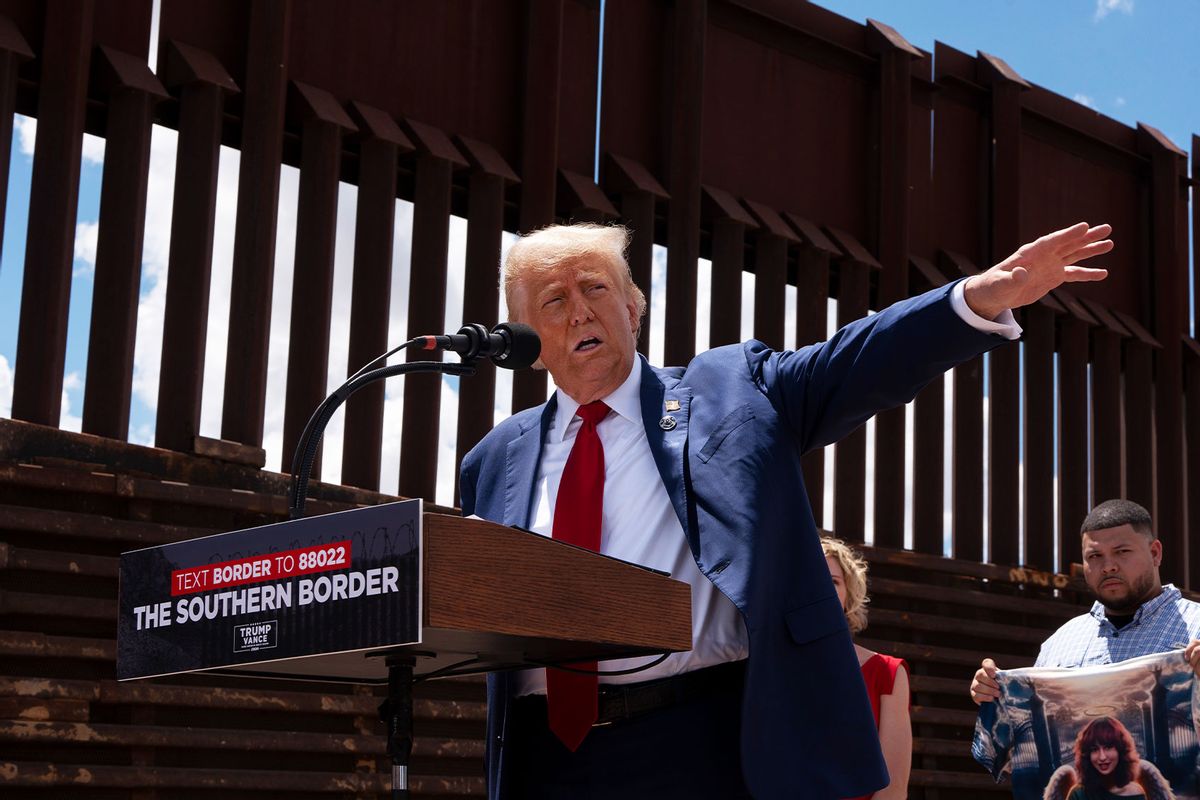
[667,423]
[672,405]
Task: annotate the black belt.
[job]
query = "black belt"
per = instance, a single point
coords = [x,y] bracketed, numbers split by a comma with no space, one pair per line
[624,701]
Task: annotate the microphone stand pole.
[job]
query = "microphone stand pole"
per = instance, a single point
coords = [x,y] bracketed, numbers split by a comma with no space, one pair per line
[397,713]
[397,710]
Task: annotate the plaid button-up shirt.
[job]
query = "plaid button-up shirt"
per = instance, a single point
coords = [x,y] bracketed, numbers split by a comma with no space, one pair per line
[1168,622]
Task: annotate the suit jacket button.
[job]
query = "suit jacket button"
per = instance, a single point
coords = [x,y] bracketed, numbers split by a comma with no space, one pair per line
[667,423]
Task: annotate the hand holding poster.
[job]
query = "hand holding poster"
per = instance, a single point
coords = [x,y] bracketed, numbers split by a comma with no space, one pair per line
[1120,730]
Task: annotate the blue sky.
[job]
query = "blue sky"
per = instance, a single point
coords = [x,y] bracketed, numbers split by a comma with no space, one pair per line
[1132,60]
[1128,59]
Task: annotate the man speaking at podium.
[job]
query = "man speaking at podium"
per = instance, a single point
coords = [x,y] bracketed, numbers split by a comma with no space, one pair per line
[696,471]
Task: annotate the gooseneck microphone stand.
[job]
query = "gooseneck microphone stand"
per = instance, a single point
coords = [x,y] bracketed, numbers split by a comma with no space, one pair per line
[509,345]
[397,710]
[310,440]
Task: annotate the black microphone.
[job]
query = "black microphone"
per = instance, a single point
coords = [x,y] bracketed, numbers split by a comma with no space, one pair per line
[511,345]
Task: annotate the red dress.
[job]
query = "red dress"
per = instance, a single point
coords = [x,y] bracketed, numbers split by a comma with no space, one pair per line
[879,673]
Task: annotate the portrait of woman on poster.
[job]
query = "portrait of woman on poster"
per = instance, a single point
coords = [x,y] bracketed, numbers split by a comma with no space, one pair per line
[1107,765]
[886,677]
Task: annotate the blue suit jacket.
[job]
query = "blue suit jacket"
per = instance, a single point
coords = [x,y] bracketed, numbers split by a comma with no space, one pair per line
[732,469]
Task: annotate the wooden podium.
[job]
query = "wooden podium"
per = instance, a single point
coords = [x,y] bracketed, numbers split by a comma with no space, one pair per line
[502,598]
[387,595]
[461,595]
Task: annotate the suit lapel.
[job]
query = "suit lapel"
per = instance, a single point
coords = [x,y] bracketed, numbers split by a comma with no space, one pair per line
[668,446]
[521,461]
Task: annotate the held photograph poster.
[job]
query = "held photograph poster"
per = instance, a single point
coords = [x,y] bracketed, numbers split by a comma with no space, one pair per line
[334,583]
[1125,729]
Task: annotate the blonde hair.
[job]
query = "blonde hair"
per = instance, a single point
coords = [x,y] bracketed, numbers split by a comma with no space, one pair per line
[854,578]
[540,252]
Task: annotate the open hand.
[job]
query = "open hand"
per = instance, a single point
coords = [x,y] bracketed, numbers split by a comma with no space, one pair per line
[1036,268]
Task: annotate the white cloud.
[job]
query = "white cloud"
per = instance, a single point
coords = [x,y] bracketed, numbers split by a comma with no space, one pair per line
[153,294]
[85,246]
[26,127]
[6,388]
[93,149]
[339,330]
[504,377]
[456,269]
[152,302]
[1119,102]
[155,18]
[393,402]
[72,384]
[791,297]
[447,442]
[703,304]
[1084,100]
[658,303]
[1106,7]
[26,133]
[142,434]
[393,412]
[281,318]
[339,335]
[747,319]
[220,285]
[160,198]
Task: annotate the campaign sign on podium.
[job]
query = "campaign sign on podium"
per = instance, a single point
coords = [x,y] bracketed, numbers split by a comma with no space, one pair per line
[333,584]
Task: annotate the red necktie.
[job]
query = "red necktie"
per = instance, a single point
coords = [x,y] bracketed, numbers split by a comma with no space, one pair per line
[571,698]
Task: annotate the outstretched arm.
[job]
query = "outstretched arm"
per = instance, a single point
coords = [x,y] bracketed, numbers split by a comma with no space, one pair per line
[825,391]
[1038,267]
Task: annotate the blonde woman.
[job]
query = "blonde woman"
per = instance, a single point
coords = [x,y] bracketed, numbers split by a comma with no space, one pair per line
[886,677]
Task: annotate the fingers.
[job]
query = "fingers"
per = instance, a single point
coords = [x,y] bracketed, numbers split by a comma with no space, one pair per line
[984,688]
[1039,267]
[982,693]
[1070,232]
[1065,238]
[1192,654]
[1082,233]
[1089,250]
[1069,240]
[1097,233]
[1083,274]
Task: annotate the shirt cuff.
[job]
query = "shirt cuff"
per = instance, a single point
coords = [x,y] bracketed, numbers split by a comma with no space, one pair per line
[1005,324]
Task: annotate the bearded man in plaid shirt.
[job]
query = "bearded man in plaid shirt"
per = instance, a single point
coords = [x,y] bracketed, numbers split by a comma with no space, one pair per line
[1134,613]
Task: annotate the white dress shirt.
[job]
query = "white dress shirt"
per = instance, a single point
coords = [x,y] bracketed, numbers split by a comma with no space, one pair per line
[640,525]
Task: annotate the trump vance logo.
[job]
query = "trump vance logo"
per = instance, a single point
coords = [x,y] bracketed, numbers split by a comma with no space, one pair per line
[255,636]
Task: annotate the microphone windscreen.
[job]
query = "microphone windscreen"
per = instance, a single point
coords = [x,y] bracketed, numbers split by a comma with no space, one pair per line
[525,345]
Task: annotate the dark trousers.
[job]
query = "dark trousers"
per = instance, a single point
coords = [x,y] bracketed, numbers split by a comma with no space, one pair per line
[688,751]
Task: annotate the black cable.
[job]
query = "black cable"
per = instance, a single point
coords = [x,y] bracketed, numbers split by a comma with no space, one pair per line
[383,357]
[448,670]
[306,448]
[601,672]
[310,439]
